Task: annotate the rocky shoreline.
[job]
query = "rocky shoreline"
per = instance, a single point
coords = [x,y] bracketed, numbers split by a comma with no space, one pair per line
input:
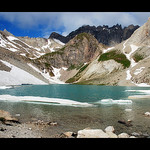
[11,127]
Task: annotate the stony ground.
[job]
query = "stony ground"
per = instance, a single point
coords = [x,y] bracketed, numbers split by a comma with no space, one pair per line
[11,127]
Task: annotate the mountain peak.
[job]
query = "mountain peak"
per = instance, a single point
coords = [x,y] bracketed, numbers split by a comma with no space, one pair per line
[104,34]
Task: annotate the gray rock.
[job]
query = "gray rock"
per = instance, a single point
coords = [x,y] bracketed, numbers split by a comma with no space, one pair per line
[109,129]
[123,135]
[92,133]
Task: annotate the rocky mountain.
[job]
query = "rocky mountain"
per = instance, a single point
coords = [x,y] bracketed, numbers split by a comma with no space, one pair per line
[17,55]
[82,60]
[124,64]
[75,55]
[104,34]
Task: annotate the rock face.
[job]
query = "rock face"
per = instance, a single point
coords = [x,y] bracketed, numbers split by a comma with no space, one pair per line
[81,49]
[126,64]
[104,34]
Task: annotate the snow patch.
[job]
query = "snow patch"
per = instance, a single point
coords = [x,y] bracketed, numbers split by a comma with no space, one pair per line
[6,44]
[111,101]
[59,42]
[17,76]
[46,75]
[47,45]
[106,50]
[64,68]
[128,75]
[133,63]
[142,85]
[45,100]
[5,87]
[140,91]
[137,71]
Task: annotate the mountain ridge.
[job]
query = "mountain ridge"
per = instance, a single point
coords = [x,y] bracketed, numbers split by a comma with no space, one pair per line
[82,60]
[136,49]
[104,34]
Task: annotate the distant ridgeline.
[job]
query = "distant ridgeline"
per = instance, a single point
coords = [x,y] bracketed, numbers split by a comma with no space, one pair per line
[104,34]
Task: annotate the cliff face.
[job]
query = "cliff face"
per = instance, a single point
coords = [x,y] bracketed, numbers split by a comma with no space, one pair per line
[104,34]
[81,49]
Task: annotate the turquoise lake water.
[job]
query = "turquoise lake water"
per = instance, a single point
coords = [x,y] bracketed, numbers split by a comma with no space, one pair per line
[74,118]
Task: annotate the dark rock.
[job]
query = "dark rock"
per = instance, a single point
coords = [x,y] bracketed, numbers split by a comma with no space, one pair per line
[7,119]
[52,123]
[59,37]
[2,129]
[127,124]
[104,34]
[68,135]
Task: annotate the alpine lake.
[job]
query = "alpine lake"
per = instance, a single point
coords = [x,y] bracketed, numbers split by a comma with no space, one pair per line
[107,105]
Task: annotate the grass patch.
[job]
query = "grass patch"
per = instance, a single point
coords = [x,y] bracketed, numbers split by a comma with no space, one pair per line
[117,56]
[78,75]
[71,67]
[137,57]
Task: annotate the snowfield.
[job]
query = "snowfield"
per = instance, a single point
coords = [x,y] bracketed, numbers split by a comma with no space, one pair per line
[17,76]
[55,79]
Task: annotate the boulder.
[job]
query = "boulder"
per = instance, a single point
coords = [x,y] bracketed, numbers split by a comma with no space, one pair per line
[111,134]
[109,129]
[123,135]
[5,116]
[127,124]
[147,114]
[92,133]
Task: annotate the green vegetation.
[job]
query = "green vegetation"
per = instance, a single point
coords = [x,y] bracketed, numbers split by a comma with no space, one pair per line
[137,57]
[81,66]
[47,65]
[71,67]
[77,76]
[117,56]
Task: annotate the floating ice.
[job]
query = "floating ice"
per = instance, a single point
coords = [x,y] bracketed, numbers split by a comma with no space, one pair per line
[45,100]
[111,101]
[5,87]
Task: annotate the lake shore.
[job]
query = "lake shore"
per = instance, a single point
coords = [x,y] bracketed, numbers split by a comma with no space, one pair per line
[11,127]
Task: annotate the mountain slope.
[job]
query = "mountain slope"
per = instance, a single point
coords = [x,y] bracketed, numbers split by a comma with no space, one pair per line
[134,52]
[83,60]
[77,53]
[16,59]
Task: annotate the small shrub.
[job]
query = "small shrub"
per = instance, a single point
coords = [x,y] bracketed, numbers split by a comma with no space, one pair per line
[137,57]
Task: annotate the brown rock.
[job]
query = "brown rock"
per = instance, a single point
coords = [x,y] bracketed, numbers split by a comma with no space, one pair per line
[5,117]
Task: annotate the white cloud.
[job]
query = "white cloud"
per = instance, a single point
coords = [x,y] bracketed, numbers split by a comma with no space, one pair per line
[65,22]
[73,20]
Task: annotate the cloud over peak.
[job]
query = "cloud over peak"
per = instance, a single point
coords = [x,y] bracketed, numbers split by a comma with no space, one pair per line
[65,22]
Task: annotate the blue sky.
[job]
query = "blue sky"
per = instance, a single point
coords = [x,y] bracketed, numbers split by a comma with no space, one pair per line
[41,24]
